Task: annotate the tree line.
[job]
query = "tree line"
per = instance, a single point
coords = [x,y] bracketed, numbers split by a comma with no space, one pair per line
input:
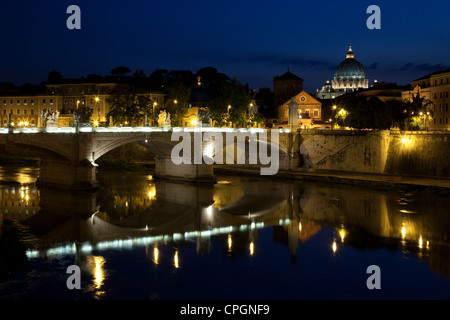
[363,112]
[226,100]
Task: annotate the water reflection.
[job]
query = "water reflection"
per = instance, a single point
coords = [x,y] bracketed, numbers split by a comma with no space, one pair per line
[162,216]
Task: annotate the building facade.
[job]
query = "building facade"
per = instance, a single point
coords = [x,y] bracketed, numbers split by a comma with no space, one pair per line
[21,110]
[285,87]
[309,110]
[434,87]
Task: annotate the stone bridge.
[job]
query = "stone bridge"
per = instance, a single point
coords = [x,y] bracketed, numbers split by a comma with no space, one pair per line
[68,155]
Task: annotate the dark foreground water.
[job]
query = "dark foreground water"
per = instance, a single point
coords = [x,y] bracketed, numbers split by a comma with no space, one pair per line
[243,238]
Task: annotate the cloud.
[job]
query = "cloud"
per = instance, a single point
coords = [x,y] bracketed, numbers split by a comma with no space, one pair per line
[423,67]
[373,66]
[305,63]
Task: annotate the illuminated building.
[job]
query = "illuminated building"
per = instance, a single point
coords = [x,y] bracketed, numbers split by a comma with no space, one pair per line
[349,76]
[434,87]
[24,110]
[309,110]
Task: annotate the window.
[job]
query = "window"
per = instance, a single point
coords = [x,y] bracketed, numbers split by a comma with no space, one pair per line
[18,111]
[435,95]
[32,102]
[18,102]
[10,102]
[43,101]
[51,101]
[24,102]
[32,111]
[4,102]
[316,113]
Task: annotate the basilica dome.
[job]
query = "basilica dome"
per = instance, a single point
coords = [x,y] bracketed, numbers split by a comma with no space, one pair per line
[350,68]
[350,75]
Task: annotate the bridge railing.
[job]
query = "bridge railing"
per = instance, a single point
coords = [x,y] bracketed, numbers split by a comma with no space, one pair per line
[132,129]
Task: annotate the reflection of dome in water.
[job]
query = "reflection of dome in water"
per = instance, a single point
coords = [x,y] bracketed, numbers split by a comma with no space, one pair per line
[350,68]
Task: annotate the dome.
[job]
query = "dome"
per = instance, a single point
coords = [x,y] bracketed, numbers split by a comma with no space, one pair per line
[350,68]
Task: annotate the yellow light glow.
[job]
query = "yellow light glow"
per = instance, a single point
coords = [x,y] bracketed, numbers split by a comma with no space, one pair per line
[26,123]
[150,194]
[406,141]
[252,248]
[96,123]
[420,242]
[194,122]
[96,99]
[229,242]
[334,246]
[12,124]
[300,226]
[99,274]
[175,101]
[229,107]
[176,262]
[403,232]
[155,104]
[155,255]
[342,234]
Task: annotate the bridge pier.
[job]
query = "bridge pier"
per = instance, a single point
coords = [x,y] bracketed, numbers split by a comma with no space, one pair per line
[66,175]
[166,169]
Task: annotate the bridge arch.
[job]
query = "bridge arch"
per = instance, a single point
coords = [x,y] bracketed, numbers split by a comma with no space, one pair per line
[158,145]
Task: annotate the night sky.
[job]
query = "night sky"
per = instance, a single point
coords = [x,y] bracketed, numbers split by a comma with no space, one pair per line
[252,41]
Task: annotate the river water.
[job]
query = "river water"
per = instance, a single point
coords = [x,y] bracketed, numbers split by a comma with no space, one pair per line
[243,238]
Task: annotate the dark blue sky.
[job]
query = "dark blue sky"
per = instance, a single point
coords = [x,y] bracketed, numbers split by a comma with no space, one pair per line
[250,40]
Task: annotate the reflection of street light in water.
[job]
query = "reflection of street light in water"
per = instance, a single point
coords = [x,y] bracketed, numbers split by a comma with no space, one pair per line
[155,254]
[334,246]
[229,242]
[176,261]
[252,248]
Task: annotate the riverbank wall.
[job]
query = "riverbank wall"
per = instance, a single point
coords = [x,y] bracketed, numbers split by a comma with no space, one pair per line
[386,152]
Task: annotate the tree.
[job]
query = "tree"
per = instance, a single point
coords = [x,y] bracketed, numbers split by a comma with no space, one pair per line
[231,105]
[120,71]
[362,112]
[177,103]
[414,110]
[130,107]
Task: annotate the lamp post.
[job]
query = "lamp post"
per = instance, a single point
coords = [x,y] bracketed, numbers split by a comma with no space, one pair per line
[98,110]
[333,116]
